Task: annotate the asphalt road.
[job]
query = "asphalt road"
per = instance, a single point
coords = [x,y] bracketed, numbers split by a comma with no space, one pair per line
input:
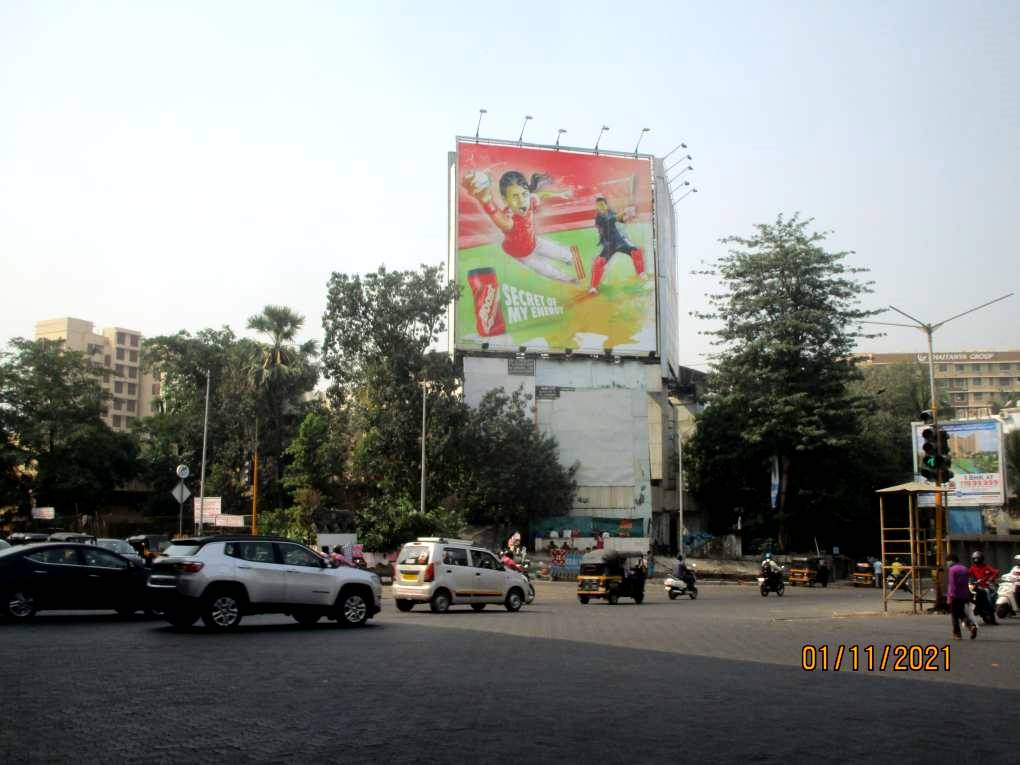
[717,679]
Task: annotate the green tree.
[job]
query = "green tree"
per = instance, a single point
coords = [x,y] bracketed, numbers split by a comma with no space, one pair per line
[788,320]
[55,443]
[1011,452]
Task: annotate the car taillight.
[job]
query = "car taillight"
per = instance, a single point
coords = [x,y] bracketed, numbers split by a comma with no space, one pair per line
[394,567]
[430,572]
[191,567]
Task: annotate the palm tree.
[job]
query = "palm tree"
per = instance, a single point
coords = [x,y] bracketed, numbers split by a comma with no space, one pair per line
[282,371]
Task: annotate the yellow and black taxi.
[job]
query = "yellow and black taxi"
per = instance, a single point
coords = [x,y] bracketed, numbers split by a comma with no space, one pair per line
[611,575]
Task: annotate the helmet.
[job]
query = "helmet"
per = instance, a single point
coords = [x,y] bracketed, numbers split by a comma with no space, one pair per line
[768,556]
[680,556]
[977,556]
[1016,559]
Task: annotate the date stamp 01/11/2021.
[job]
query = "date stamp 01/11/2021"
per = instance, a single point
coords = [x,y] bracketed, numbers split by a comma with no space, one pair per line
[874,658]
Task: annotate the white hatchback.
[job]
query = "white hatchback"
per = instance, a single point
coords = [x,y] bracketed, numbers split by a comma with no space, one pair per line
[446,572]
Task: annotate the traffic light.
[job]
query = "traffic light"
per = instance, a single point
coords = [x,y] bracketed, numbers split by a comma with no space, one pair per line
[930,456]
[945,458]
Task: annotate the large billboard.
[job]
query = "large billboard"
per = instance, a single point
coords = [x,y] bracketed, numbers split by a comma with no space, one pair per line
[975,447]
[554,250]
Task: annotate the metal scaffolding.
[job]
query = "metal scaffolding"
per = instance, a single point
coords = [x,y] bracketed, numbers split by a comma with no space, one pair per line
[904,529]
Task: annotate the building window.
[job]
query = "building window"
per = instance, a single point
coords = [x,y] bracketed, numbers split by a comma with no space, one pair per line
[975,367]
[132,372]
[1004,367]
[120,354]
[960,368]
[975,381]
[119,370]
[116,422]
[979,394]
[132,389]
[154,407]
[120,338]
[118,387]
[134,341]
[128,421]
[106,360]
[943,367]
[960,398]
[130,405]
[155,389]
[118,404]
[134,357]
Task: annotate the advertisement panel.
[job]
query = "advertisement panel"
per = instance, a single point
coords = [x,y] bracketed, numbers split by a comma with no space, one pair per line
[975,447]
[554,250]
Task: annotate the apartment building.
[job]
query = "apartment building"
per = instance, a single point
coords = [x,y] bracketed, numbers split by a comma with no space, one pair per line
[977,383]
[133,394]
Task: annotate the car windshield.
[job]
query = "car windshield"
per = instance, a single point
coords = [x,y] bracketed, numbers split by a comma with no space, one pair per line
[414,555]
[593,569]
[8,550]
[181,551]
[117,545]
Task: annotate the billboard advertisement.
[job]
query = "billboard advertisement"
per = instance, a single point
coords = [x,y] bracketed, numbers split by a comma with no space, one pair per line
[975,447]
[554,250]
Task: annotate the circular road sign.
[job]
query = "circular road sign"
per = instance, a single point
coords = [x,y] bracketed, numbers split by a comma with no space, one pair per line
[183,472]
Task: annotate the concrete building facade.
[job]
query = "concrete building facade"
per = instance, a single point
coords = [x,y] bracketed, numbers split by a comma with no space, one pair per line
[977,383]
[133,393]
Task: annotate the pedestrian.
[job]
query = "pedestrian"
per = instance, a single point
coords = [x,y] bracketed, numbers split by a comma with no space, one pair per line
[876,565]
[958,595]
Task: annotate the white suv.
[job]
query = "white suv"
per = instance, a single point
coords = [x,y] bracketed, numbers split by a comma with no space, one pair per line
[445,572]
[220,579]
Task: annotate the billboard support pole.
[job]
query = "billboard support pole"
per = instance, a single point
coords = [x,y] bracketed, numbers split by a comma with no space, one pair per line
[643,131]
[520,138]
[599,139]
[941,525]
[481,113]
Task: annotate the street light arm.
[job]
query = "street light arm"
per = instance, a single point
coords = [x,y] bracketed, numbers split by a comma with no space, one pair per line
[920,323]
[971,310]
[889,324]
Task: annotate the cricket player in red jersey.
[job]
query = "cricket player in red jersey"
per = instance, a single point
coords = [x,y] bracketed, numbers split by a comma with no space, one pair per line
[517,222]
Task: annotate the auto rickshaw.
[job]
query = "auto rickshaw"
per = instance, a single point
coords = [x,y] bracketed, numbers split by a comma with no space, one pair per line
[809,571]
[149,546]
[611,575]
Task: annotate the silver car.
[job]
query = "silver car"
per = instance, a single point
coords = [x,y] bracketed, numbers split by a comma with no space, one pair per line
[445,572]
[221,579]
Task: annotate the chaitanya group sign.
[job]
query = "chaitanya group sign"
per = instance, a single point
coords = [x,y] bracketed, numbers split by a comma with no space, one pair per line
[975,447]
[555,250]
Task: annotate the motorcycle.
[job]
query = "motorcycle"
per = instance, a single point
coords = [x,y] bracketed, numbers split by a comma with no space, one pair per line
[1006,602]
[771,582]
[981,596]
[676,586]
[892,580]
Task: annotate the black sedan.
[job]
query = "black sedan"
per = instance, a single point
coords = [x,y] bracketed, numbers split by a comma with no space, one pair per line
[66,576]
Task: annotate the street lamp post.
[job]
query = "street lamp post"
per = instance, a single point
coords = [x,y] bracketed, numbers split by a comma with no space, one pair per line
[941,525]
[424,398]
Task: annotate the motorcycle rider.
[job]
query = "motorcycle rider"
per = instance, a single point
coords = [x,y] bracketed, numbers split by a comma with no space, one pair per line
[681,571]
[771,570]
[984,575]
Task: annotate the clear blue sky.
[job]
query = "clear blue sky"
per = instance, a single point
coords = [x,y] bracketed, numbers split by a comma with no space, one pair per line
[181,164]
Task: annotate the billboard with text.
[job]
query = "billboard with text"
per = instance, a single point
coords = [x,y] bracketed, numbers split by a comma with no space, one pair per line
[554,250]
[975,447]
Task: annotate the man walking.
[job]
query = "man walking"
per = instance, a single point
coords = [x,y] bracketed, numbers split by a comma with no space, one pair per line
[958,595]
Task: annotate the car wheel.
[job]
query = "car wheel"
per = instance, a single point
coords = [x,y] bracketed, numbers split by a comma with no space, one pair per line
[404,605]
[613,598]
[352,608]
[583,599]
[307,618]
[440,602]
[478,606]
[672,595]
[1002,611]
[514,600]
[19,605]
[222,610]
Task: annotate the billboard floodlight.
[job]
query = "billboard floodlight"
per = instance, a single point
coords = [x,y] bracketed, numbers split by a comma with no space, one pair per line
[520,139]
[599,139]
[481,113]
[674,150]
[685,158]
[685,194]
[643,131]
[559,132]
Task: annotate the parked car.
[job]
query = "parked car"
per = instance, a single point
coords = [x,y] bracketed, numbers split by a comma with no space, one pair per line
[71,536]
[223,578]
[63,575]
[4,545]
[26,538]
[445,572]
[121,547]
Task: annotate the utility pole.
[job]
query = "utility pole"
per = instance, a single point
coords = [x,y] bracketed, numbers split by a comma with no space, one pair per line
[255,482]
[424,394]
[201,480]
[941,525]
